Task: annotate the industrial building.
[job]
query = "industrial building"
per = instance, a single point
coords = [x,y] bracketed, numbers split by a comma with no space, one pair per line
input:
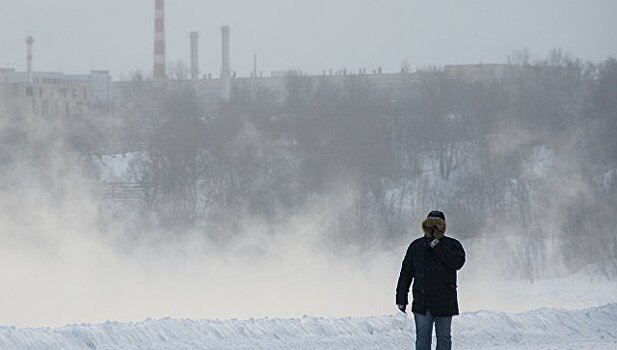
[44,95]
[34,95]
[52,95]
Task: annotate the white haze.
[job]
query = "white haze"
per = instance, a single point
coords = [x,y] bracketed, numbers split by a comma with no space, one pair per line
[57,266]
[62,262]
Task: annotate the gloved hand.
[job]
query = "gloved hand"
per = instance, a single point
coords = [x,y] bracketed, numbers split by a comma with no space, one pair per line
[402,307]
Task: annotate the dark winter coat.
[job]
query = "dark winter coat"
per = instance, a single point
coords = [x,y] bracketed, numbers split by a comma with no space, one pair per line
[433,271]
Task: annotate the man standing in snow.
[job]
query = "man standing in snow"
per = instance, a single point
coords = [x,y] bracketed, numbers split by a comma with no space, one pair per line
[431,262]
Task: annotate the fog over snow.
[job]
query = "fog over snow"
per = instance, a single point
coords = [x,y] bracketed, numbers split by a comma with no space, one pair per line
[275,212]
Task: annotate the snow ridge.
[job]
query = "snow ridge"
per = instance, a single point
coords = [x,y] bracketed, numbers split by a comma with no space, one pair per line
[543,329]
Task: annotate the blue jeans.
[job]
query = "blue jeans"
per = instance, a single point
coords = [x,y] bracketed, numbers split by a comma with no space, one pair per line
[424,331]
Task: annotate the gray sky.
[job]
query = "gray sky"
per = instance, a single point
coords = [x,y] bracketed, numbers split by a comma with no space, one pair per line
[78,35]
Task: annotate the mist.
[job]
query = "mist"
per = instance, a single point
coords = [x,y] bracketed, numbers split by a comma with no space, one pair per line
[292,185]
[64,263]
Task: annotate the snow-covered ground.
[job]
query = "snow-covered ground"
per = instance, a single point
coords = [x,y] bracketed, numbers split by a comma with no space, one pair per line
[592,328]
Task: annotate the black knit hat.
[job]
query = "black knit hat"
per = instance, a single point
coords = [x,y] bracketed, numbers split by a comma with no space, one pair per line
[436,214]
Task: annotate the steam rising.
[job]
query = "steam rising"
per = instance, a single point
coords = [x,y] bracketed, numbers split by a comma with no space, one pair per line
[64,261]
[297,194]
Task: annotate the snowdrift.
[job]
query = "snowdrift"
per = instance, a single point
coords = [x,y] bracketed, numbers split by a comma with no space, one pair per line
[593,328]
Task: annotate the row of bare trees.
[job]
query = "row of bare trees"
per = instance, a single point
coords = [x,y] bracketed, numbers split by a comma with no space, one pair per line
[487,151]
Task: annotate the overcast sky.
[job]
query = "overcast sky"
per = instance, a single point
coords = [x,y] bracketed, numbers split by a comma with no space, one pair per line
[79,35]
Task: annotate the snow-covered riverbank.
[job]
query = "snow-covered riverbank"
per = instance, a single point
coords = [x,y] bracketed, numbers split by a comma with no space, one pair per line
[592,328]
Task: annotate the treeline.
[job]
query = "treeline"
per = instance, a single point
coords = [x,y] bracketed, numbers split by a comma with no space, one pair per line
[534,152]
[530,155]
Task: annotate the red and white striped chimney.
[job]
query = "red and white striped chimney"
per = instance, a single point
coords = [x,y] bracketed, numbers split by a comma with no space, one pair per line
[159,40]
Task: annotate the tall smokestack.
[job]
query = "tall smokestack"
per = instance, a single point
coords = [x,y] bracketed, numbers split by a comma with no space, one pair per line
[254,65]
[194,55]
[226,69]
[29,42]
[159,40]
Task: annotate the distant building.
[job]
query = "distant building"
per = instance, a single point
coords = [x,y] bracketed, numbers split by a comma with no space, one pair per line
[483,72]
[52,95]
[99,81]
[394,86]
